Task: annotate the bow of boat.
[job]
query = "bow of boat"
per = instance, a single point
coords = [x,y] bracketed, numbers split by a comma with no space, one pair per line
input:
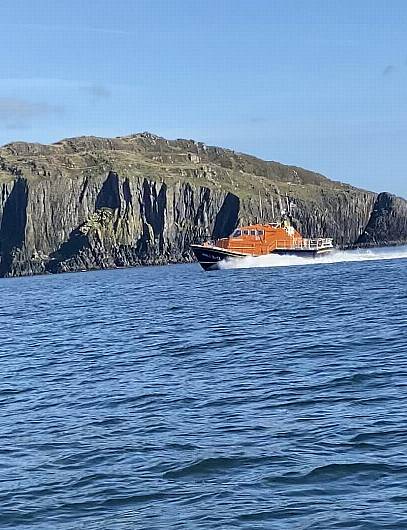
[210,257]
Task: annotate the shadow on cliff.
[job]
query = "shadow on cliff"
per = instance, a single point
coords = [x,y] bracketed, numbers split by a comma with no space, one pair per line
[109,195]
[13,224]
[227,218]
[76,243]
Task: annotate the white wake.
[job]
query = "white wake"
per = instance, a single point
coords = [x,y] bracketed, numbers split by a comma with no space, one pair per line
[336,256]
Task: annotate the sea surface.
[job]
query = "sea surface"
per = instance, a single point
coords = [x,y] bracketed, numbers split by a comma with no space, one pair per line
[271,397]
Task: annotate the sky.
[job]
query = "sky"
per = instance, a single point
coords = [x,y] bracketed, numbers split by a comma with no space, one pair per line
[319,84]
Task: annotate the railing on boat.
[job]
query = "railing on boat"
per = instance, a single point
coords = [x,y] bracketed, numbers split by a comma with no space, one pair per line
[284,244]
[304,244]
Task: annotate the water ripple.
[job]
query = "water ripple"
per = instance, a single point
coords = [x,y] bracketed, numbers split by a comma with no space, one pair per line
[166,398]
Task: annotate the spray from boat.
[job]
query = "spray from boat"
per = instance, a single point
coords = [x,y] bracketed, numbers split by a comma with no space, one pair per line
[336,256]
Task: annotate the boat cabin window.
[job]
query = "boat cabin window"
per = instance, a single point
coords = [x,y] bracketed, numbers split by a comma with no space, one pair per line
[260,232]
[253,232]
[237,233]
[245,232]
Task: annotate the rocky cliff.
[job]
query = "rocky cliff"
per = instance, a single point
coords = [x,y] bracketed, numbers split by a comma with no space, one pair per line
[87,203]
[387,223]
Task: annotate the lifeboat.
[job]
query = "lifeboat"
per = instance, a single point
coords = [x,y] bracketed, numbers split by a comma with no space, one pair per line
[259,240]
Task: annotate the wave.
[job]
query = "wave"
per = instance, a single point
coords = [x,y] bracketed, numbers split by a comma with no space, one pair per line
[339,471]
[336,256]
[215,465]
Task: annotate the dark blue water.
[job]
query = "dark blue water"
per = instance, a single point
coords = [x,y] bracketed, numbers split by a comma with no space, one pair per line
[169,398]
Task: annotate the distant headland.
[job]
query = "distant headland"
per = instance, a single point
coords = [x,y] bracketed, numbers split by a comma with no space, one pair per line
[93,203]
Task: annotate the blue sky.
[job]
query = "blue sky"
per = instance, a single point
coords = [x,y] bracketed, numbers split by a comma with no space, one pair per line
[319,84]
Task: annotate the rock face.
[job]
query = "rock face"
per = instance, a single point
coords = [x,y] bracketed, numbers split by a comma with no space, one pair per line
[89,203]
[388,222]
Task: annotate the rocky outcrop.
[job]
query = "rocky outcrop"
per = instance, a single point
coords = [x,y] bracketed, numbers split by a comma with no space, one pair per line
[99,203]
[388,222]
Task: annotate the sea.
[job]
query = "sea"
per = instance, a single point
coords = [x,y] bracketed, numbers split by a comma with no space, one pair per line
[271,394]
